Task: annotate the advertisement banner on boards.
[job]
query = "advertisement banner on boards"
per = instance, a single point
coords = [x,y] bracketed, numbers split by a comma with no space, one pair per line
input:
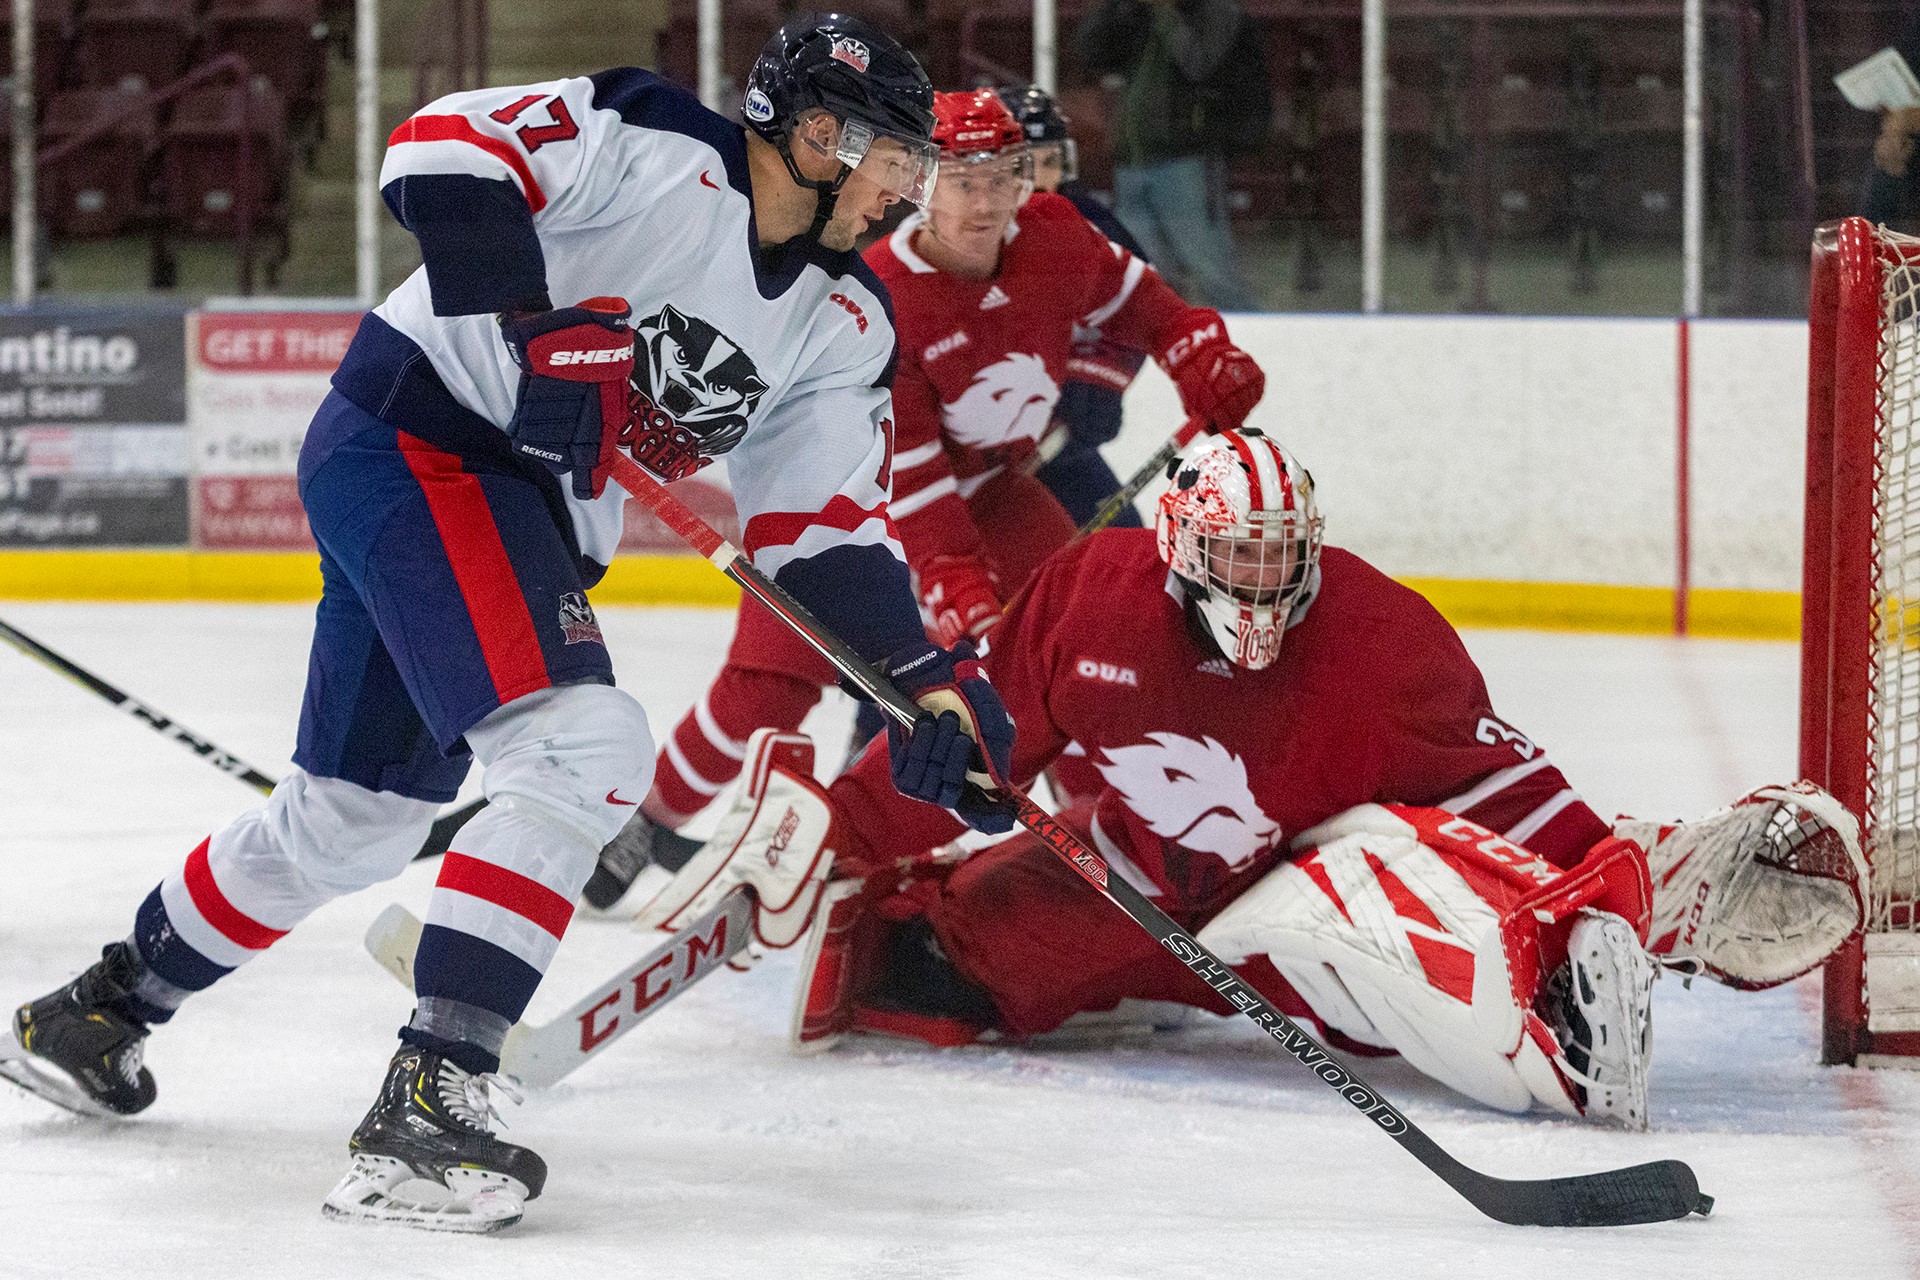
[252,386]
[93,437]
[253,382]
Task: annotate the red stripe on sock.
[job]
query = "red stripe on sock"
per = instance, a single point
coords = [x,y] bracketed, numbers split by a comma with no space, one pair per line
[481,568]
[508,890]
[235,925]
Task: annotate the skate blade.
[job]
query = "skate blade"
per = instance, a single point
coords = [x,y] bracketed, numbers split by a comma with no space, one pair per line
[45,1081]
[379,1189]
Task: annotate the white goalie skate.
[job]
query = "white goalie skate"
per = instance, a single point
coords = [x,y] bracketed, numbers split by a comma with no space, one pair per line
[1605,1018]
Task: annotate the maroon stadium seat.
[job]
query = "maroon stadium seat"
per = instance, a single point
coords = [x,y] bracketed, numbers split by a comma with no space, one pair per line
[134,44]
[200,159]
[99,190]
[282,39]
[52,25]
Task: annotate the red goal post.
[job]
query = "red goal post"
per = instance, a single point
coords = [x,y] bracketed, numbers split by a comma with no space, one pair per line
[1860,615]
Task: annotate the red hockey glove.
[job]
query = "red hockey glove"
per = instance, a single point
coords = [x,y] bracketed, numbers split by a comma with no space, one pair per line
[961,750]
[1218,382]
[962,597]
[575,363]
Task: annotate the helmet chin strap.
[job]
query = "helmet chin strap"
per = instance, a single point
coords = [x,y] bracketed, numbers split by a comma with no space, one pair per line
[826,192]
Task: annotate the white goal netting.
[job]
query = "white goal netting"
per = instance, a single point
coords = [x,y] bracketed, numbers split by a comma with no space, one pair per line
[1893,786]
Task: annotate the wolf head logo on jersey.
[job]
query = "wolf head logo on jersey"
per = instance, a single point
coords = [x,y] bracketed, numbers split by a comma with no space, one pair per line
[694,390]
[1192,793]
[1009,400]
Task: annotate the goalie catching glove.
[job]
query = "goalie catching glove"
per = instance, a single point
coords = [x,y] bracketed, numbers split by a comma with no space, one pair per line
[774,840]
[1758,893]
[575,366]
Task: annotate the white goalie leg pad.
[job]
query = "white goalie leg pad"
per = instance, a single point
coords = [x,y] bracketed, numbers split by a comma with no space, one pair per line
[1758,893]
[1390,945]
[774,839]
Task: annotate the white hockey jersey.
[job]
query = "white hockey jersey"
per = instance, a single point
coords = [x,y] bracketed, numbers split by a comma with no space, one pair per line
[623,184]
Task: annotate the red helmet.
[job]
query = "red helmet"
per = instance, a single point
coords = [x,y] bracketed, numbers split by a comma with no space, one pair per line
[974,125]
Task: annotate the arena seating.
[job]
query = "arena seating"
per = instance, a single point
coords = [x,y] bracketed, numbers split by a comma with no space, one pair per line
[171,168]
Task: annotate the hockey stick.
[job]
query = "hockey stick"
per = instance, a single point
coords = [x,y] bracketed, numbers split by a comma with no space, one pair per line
[1126,493]
[438,837]
[540,1055]
[1655,1192]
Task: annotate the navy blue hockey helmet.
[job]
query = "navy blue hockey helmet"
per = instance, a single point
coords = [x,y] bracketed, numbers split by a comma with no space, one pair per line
[862,76]
[1042,121]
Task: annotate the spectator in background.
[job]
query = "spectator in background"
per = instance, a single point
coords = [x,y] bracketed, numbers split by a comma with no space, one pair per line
[1168,173]
[1892,192]
[1088,413]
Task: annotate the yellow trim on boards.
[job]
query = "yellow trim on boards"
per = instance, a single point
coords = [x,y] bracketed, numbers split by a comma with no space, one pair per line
[688,580]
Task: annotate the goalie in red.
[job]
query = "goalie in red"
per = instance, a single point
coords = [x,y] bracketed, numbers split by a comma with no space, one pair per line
[987,291]
[1303,765]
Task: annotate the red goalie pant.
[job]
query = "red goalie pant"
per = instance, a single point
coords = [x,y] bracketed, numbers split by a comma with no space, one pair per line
[772,679]
[1021,923]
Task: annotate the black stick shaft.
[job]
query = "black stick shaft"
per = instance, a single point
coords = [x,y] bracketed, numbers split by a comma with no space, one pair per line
[1122,497]
[163,725]
[1655,1192]
[438,837]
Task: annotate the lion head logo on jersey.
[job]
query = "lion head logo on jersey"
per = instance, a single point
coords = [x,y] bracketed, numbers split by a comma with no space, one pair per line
[1009,400]
[1192,793]
[694,390]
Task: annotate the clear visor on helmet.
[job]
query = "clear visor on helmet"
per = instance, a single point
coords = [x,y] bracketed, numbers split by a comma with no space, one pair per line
[999,180]
[901,166]
[1063,157]
[1265,562]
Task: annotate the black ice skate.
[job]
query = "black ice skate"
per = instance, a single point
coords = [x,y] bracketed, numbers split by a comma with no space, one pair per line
[78,1047]
[640,844]
[425,1157]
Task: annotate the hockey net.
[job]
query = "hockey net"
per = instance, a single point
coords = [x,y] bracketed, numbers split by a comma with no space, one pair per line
[1860,638]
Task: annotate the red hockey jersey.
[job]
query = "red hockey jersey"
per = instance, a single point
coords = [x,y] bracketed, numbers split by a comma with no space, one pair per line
[981,362]
[1211,769]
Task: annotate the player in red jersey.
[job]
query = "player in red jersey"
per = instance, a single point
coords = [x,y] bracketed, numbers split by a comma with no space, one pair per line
[987,290]
[1303,765]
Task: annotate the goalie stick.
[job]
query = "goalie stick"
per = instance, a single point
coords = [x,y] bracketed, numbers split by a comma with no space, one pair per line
[1140,479]
[438,837]
[1659,1191]
[540,1055]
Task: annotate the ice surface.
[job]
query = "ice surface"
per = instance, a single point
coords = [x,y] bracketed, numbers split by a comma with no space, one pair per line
[697,1146]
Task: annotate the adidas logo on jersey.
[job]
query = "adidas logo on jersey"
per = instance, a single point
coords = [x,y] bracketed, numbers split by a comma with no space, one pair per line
[1217,667]
[996,297]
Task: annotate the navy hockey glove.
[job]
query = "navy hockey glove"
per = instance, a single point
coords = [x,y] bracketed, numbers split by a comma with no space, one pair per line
[575,364]
[963,745]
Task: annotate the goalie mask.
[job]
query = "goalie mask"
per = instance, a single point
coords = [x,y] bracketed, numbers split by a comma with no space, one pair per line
[1238,528]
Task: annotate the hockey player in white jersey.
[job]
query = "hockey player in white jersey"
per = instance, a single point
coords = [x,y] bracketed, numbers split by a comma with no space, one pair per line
[607,265]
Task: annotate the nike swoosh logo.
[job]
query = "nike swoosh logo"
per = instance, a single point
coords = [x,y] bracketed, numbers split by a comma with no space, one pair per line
[614,799]
[705,180]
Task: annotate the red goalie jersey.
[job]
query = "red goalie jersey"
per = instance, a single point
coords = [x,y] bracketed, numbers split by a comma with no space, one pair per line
[1210,768]
[982,361]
